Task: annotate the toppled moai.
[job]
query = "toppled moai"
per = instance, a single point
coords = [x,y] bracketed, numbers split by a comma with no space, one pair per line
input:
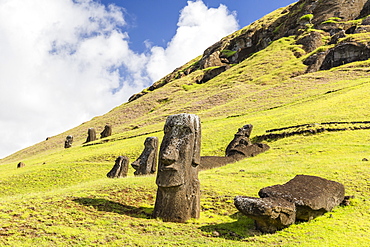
[303,198]
[178,194]
[242,147]
[68,142]
[106,132]
[120,168]
[91,135]
[239,148]
[147,161]
[21,164]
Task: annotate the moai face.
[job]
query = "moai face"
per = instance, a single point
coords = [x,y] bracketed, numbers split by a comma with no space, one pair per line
[147,161]
[180,150]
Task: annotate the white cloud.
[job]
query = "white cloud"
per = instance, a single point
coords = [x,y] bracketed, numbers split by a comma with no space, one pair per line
[198,28]
[63,62]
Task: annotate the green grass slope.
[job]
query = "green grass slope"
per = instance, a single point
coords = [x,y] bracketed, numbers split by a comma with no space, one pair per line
[63,198]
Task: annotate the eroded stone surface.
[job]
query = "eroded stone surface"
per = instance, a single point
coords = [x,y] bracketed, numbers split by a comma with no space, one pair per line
[177,178]
[313,196]
[91,135]
[120,168]
[270,214]
[147,161]
[68,142]
[106,132]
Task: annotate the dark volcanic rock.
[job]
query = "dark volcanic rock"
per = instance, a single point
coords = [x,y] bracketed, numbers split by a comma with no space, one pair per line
[68,142]
[270,214]
[147,161]
[21,164]
[120,168]
[313,196]
[91,135]
[178,194]
[106,132]
[345,53]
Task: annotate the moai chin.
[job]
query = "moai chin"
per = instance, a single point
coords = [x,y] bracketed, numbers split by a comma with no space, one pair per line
[91,135]
[68,142]
[178,194]
[147,161]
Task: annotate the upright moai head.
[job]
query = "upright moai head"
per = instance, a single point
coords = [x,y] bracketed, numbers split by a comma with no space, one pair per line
[91,135]
[178,194]
[120,168]
[106,132]
[68,142]
[147,162]
[179,153]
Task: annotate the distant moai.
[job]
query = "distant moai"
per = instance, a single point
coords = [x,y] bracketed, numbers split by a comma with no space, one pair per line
[178,194]
[120,168]
[21,164]
[244,134]
[241,146]
[68,142]
[91,135]
[106,132]
[147,161]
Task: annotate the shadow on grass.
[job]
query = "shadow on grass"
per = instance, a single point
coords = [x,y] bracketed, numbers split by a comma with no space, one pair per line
[115,207]
[242,229]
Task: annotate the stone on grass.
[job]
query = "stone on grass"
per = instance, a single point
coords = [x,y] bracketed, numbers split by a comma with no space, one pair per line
[312,196]
[147,161]
[120,168]
[270,214]
[178,194]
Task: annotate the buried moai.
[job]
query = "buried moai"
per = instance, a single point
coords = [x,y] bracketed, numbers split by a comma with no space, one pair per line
[147,161]
[91,135]
[120,168]
[68,142]
[300,199]
[178,194]
[241,146]
[106,132]
[21,164]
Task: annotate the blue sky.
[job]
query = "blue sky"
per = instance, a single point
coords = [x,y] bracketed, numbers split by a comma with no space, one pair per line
[155,20]
[64,62]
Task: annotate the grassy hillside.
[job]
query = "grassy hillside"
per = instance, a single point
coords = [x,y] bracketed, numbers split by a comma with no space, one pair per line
[63,198]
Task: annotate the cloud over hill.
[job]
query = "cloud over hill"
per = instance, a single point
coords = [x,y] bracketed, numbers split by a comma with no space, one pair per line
[65,61]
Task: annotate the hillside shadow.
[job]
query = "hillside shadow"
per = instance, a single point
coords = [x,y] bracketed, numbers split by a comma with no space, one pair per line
[115,207]
[241,230]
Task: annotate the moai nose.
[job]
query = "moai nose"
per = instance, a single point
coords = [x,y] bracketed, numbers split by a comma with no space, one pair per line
[169,155]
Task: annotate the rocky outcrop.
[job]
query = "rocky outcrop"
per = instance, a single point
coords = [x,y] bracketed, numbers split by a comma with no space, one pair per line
[308,20]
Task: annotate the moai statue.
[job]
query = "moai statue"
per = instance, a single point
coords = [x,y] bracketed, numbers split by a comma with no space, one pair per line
[21,164]
[91,135]
[106,132]
[178,194]
[243,135]
[147,161]
[120,168]
[68,142]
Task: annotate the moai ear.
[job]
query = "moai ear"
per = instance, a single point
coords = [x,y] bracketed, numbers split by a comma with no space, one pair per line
[197,141]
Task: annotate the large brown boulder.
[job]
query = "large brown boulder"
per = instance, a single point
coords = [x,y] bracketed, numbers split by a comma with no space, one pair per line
[312,196]
[270,214]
